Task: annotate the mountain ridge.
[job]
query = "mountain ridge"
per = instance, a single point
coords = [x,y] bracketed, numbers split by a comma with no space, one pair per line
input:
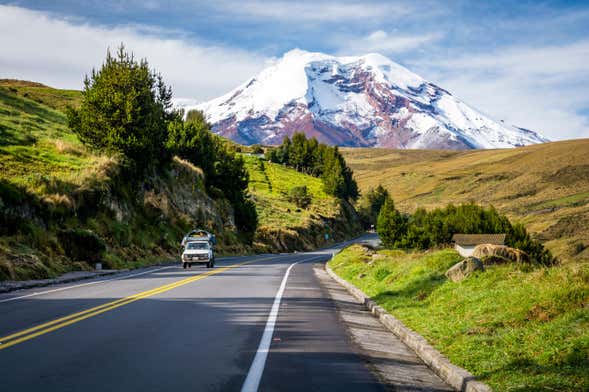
[359,101]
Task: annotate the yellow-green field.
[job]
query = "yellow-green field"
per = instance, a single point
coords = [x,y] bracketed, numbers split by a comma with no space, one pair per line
[544,186]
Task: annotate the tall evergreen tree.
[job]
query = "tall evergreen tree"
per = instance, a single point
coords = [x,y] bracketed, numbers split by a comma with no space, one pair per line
[371,203]
[391,226]
[311,157]
[125,109]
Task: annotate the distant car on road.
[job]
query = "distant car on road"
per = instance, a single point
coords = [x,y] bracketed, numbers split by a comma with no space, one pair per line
[198,246]
[198,252]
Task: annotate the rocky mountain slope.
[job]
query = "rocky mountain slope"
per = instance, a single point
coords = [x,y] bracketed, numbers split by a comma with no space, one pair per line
[364,101]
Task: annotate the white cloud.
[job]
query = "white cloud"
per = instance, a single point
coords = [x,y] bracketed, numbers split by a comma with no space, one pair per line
[385,43]
[540,88]
[58,52]
[314,10]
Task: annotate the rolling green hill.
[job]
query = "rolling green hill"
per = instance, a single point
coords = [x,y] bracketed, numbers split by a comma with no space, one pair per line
[544,186]
[283,225]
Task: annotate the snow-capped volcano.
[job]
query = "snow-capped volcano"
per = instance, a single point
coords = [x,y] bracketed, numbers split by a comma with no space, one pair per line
[354,101]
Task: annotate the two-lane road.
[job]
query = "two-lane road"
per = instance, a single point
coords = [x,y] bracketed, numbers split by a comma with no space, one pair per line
[174,329]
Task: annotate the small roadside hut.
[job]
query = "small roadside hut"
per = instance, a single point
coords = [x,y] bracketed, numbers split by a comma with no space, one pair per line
[465,243]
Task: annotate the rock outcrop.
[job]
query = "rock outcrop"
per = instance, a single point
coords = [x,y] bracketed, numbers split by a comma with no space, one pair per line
[464,269]
[498,254]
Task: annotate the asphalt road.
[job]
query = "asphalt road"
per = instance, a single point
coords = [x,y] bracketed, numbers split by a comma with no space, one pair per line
[258,322]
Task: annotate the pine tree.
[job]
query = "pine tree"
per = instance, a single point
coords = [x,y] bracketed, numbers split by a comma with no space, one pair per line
[391,226]
[125,109]
[371,203]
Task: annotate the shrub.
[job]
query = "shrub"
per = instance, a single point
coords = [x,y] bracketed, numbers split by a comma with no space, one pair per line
[246,218]
[391,225]
[425,229]
[82,245]
[257,149]
[225,172]
[299,195]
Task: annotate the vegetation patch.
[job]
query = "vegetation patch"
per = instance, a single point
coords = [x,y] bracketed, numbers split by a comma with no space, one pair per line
[539,185]
[285,225]
[515,328]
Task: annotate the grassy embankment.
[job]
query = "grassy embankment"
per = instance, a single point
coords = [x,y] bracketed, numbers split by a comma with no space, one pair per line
[546,186]
[49,183]
[516,328]
[282,225]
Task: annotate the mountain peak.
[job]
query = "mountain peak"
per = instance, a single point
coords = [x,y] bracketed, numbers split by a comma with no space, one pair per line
[366,100]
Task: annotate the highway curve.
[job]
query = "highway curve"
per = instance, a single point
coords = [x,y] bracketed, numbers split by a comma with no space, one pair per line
[254,322]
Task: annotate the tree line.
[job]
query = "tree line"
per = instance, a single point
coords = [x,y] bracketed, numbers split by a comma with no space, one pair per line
[426,229]
[126,109]
[319,160]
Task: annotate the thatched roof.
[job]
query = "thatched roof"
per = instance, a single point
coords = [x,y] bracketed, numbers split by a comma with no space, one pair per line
[476,239]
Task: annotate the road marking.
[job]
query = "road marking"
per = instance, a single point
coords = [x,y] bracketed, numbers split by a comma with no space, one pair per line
[254,375]
[104,281]
[33,332]
[83,284]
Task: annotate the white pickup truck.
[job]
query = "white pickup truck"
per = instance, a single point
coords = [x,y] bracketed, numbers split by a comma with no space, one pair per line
[198,247]
[198,252]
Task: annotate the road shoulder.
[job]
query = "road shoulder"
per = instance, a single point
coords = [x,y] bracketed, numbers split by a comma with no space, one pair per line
[395,364]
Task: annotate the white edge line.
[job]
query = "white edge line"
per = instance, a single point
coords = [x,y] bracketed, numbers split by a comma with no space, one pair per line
[254,375]
[84,284]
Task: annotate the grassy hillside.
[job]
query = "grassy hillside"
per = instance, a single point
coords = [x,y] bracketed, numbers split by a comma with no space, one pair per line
[516,328]
[57,198]
[53,189]
[545,186]
[283,225]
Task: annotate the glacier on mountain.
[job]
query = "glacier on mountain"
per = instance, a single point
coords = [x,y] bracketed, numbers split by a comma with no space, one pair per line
[354,101]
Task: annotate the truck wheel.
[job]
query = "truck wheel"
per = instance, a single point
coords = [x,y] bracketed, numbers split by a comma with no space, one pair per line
[184,265]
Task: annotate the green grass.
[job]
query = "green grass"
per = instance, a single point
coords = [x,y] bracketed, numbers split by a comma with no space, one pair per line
[578,199]
[270,184]
[36,147]
[514,328]
[284,226]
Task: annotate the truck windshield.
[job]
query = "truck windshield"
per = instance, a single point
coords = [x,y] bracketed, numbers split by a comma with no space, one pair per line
[197,245]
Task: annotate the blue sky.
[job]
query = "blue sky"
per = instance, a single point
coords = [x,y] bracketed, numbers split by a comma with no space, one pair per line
[524,62]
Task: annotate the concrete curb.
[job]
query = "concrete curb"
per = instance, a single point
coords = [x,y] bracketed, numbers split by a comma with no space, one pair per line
[8,286]
[457,377]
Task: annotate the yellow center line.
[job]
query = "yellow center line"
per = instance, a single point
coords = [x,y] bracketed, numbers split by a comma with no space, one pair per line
[30,333]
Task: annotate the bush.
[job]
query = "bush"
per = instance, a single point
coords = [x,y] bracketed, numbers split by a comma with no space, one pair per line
[246,219]
[257,149]
[82,245]
[426,229]
[299,196]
